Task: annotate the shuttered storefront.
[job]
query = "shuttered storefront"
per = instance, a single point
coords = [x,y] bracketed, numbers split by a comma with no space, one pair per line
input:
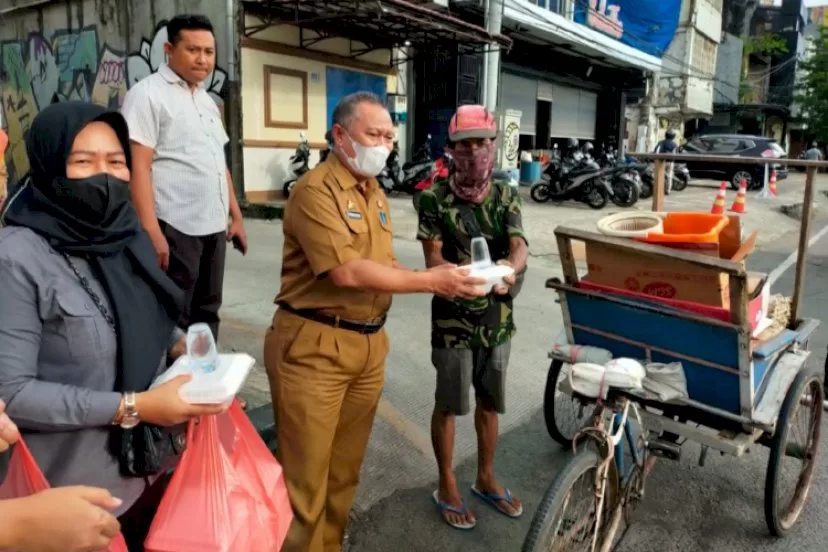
[573,113]
[521,94]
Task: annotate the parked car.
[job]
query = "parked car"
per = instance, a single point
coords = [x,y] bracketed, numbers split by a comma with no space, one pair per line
[735,145]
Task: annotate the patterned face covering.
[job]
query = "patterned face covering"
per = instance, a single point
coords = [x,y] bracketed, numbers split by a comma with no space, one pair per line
[473,167]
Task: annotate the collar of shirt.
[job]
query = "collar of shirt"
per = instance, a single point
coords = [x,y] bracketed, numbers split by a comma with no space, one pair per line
[345,178]
[172,77]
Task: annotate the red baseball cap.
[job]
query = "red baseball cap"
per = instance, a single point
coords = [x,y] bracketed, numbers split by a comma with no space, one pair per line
[471,121]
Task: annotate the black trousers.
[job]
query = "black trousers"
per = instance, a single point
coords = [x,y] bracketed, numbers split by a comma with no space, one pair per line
[136,522]
[197,267]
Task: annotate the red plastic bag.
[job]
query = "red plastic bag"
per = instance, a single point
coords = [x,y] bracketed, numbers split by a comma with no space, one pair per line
[227,494]
[24,478]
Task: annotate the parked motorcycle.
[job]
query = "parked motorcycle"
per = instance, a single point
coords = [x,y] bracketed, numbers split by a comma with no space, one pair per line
[627,184]
[578,177]
[298,164]
[441,170]
[681,177]
[417,169]
[391,176]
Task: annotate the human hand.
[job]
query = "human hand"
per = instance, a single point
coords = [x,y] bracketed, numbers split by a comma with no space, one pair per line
[162,249]
[8,431]
[452,282]
[238,235]
[64,519]
[163,405]
[508,280]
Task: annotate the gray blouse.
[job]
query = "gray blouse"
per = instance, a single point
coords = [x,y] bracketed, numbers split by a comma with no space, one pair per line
[58,364]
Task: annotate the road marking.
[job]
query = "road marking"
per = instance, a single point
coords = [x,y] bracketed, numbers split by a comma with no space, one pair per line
[791,259]
[406,427]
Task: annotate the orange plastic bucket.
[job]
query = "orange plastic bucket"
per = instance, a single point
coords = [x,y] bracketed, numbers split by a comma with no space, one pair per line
[690,231]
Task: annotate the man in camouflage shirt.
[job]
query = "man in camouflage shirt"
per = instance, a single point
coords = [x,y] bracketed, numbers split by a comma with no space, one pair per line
[471,339]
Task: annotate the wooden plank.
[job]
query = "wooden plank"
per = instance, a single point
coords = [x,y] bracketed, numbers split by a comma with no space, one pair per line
[570,271]
[802,249]
[738,301]
[782,375]
[774,345]
[725,160]
[651,250]
[658,191]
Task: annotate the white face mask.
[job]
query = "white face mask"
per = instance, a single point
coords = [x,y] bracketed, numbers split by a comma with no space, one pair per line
[369,160]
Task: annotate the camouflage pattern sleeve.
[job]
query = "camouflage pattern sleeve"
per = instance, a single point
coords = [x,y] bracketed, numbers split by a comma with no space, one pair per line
[514,216]
[428,212]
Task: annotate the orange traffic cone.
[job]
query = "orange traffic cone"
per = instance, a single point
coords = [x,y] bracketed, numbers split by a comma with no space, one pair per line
[739,205]
[719,202]
[772,184]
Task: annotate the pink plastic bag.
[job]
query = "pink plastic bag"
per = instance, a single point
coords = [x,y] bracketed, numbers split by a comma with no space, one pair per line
[227,494]
[24,478]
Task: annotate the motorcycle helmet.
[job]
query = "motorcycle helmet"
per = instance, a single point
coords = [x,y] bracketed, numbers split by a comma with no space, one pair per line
[588,147]
[572,143]
[670,134]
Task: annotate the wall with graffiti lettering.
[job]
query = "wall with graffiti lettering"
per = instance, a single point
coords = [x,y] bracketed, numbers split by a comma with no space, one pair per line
[97,62]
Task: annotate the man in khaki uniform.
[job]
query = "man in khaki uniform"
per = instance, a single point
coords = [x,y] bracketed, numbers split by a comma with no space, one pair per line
[325,352]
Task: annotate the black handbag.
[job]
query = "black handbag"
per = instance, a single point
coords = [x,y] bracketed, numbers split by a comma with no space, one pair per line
[145,448]
[141,450]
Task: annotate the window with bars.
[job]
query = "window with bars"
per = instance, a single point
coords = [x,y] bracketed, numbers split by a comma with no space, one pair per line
[704,54]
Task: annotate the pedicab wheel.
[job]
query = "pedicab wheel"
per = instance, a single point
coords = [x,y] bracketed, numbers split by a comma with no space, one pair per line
[566,517]
[803,403]
[564,415]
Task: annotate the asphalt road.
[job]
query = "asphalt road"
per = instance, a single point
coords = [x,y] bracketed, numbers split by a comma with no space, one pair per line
[687,508]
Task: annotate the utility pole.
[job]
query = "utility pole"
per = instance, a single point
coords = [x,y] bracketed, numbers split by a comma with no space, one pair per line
[491,69]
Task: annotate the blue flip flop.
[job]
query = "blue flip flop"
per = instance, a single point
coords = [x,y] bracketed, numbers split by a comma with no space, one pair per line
[494,501]
[462,510]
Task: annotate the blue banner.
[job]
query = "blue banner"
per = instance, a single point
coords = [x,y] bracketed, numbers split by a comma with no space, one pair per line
[646,25]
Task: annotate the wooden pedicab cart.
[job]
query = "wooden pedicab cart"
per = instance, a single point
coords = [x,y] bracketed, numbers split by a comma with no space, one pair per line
[740,391]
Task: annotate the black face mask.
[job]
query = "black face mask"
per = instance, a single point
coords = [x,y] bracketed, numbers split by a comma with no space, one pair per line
[91,200]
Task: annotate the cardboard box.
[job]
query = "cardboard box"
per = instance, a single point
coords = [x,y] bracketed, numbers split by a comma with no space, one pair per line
[667,278]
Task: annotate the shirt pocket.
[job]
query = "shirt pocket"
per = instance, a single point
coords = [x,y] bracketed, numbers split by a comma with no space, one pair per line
[74,332]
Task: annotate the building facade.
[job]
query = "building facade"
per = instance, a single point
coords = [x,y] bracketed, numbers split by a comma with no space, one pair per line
[687,84]
[573,67]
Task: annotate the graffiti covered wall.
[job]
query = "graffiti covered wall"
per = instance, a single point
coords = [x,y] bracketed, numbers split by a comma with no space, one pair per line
[97,62]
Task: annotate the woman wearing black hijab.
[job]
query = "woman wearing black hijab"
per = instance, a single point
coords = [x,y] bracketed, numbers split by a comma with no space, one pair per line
[87,319]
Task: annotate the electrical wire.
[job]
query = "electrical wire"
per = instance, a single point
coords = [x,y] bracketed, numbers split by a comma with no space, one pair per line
[700,73]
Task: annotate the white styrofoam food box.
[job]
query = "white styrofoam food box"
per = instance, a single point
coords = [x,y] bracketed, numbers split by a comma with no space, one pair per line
[216,387]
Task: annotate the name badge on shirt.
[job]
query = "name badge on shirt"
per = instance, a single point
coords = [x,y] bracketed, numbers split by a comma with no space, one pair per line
[353,215]
[383,217]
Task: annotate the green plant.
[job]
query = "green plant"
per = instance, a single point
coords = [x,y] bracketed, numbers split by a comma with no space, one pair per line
[812,93]
[767,44]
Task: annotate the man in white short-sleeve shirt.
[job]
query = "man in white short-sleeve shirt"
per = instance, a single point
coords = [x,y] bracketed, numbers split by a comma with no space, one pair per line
[180,184]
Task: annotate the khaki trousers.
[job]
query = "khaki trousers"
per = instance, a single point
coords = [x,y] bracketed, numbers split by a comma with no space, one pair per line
[326,384]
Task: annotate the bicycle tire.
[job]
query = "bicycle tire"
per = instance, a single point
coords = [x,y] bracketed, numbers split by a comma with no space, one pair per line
[778,523]
[550,407]
[556,494]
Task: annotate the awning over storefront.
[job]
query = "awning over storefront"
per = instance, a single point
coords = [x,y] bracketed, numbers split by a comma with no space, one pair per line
[544,25]
[379,24]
